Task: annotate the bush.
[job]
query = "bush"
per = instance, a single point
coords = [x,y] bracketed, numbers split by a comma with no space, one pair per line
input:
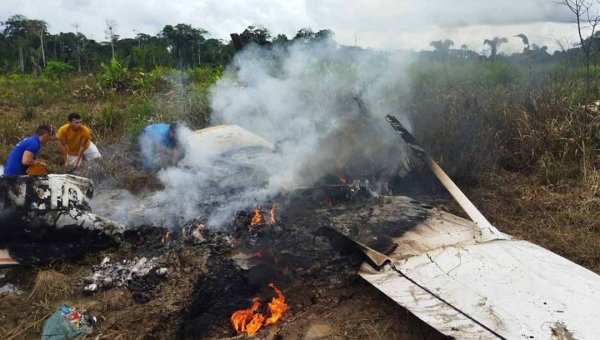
[57,70]
[476,117]
[29,91]
[139,113]
[114,76]
[28,113]
[205,75]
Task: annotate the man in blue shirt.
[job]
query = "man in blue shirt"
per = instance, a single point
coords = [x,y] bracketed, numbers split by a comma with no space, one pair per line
[160,140]
[24,154]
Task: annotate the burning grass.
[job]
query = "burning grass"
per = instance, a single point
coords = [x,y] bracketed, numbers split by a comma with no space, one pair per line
[251,320]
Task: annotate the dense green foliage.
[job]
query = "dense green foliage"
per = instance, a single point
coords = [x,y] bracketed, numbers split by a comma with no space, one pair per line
[26,46]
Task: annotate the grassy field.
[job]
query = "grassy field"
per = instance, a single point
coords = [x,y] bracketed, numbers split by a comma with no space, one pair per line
[520,141]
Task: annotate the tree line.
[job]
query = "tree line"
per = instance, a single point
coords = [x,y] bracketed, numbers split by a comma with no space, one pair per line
[26,46]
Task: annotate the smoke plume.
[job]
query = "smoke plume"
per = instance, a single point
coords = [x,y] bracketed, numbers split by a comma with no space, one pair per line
[321,105]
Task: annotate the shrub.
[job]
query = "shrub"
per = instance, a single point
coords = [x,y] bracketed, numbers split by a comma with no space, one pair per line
[28,113]
[114,76]
[57,70]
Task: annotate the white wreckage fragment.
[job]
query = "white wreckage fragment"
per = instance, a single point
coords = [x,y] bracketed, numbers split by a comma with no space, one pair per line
[50,202]
[470,281]
[109,274]
[497,289]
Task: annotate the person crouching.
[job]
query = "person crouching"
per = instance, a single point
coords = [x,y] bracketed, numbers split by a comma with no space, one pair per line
[24,155]
[75,142]
[160,141]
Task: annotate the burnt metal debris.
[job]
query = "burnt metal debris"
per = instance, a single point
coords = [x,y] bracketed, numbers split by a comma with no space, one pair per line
[49,217]
[137,274]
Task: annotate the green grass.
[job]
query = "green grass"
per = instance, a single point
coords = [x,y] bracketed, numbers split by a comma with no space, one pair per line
[112,113]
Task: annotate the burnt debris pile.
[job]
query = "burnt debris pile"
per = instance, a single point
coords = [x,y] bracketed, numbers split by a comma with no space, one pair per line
[285,254]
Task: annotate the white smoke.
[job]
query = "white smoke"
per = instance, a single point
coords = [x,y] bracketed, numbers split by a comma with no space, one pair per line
[301,99]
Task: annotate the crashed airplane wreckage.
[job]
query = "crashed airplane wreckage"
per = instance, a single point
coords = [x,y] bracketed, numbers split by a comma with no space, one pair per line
[48,217]
[466,278]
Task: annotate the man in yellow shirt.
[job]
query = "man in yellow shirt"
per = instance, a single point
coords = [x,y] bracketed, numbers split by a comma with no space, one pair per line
[75,142]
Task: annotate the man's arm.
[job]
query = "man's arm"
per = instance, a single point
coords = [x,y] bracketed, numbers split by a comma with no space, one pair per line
[164,161]
[63,150]
[28,158]
[175,158]
[82,148]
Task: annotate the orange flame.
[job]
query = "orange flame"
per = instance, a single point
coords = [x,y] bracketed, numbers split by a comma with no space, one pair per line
[255,324]
[257,218]
[165,237]
[242,319]
[272,213]
[342,179]
[276,307]
[249,321]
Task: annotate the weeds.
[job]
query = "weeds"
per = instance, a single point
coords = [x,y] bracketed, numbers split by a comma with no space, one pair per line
[28,113]
[11,131]
[477,117]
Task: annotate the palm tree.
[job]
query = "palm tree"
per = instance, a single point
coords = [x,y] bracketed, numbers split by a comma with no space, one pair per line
[464,49]
[494,44]
[524,38]
[442,46]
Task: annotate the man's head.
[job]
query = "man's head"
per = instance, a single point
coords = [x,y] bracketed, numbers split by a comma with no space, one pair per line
[173,131]
[44,132]
[75,121]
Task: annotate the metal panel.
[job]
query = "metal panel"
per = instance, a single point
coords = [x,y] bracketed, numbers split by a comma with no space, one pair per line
[503,288]
[6,259]
[424,305]
[515,288]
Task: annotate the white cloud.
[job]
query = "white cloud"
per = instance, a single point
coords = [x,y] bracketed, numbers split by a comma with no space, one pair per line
[381,24]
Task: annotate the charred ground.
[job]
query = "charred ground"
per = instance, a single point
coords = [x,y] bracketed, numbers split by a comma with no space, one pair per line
[213,272]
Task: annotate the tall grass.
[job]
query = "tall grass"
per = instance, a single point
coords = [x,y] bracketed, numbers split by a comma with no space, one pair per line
[479,116]
[471,116]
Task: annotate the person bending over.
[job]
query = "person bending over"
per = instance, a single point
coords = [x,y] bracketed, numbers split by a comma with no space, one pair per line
[24,154]
[160,141]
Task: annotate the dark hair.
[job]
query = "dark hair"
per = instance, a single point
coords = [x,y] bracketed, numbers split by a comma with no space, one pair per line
[172,140]
[42,130]
[74,115]
[174,127]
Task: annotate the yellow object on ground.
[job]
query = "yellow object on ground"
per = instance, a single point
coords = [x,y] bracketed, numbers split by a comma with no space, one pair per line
[36,168]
